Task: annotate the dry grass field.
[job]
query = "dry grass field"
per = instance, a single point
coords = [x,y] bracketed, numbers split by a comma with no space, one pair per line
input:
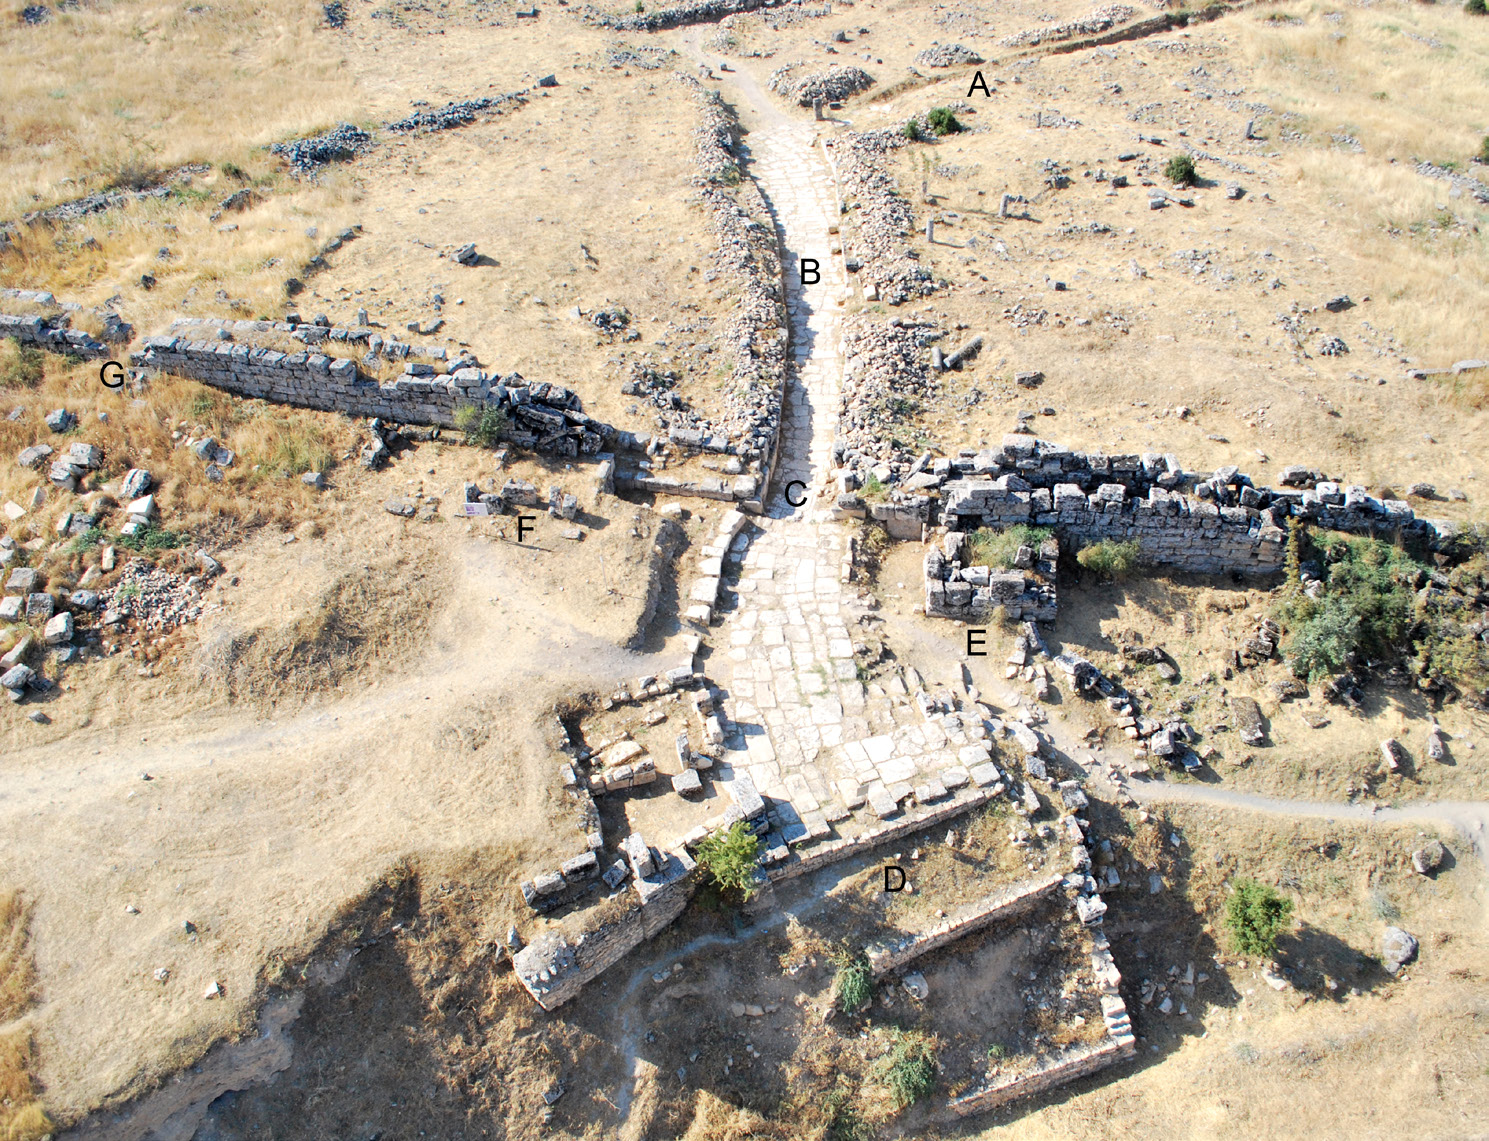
[354,747]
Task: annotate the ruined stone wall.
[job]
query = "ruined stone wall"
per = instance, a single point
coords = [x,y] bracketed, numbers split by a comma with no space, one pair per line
[831,851]
[541,416]
[1065,1067]
[556,967]
[1006,904]
[697,12]
[52,329]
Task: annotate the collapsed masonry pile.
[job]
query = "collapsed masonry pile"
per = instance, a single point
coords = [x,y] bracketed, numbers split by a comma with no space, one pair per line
[885,380]
[52,329]
[957,587]
[344,141]
[659,19]
[805,88]
[101,200]
[882,217]
[947,55]
[453,115]
[1098,21]
[1464,183]
[754,333]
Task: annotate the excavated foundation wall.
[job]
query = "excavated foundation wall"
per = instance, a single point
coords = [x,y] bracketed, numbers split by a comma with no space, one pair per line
[1007,904]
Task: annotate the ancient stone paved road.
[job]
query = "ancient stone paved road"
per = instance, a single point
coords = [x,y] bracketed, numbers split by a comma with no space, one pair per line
[815,740]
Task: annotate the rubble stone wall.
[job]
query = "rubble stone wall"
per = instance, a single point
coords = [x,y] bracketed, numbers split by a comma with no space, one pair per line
[52,331]
[556,967]
[1069,1065]
[1006,904]
[697,12]
[831,851]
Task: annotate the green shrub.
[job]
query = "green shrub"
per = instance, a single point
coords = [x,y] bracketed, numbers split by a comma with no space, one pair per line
[1255,915]
[989,548]
[1180,170]
[853,986]
[87,540]
[20,365]
[911,131]
[909,1069]
[729,859]
[1476,8]
[1110,559]
[1484,150]
[483,424]
[873,489]
[152,538]
[943,121]
[1322,644]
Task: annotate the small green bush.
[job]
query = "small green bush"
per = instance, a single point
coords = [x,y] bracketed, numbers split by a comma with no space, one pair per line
[873,489]
[1476,8]
[911,131]
[1110,559]
[483,424]
[909,1069]
[20,365]
[730,861]
[1321,646]
[943,121]
[1484,150]
[152,538]
[853,986]
[1180,170]
[1255,915]
[988,548]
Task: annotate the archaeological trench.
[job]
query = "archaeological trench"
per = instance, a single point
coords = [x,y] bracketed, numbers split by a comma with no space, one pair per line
[822,769]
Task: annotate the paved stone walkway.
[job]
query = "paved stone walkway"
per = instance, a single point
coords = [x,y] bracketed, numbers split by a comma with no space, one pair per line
[820,745]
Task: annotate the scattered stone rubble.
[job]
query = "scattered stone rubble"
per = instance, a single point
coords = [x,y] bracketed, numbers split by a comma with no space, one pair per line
[658,19]
[881,216]
[947,55]
[1098,21]
[832,85]
[344,141]
[1463,183]
[453,115]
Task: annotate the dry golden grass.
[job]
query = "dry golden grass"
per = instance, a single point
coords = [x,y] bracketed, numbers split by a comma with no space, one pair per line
[269,440]
[21,1115]
[241,272]
[1404,101]
[104,89]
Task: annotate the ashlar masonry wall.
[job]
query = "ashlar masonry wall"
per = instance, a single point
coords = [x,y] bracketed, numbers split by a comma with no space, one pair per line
[542,416]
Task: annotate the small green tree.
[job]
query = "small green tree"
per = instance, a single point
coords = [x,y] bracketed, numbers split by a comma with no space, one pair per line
[943,121]
[483,424]
[1110,559]
[730,861]
[853,986]
[1321,646]
[911,131]
[1180,170]
[1255,915]
[1476,8]
[909,1069]
[1484,147]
